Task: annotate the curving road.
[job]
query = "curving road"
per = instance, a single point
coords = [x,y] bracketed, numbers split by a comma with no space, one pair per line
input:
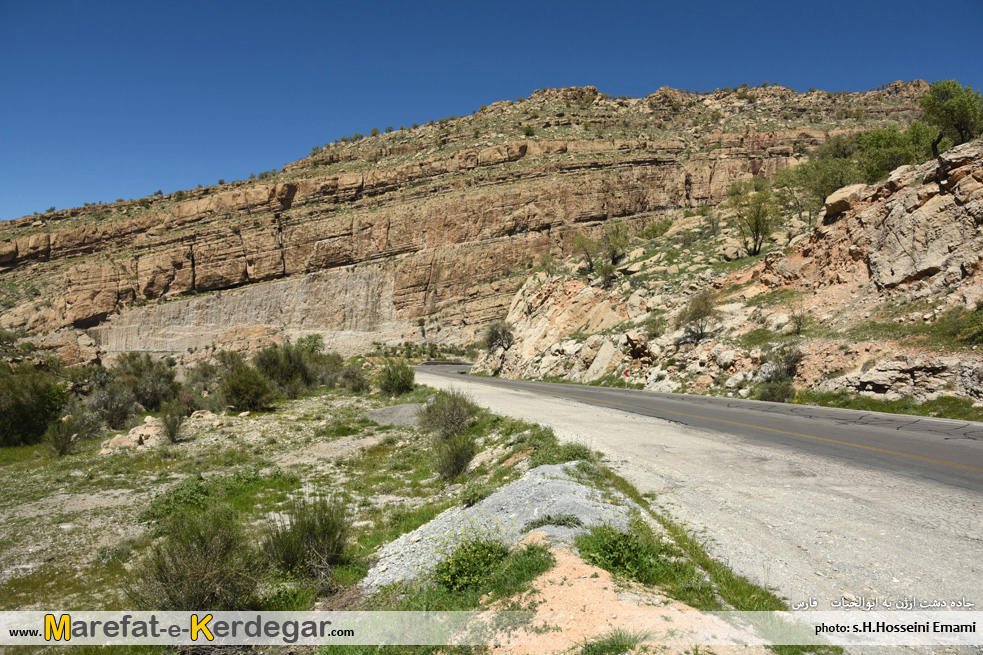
[941,450]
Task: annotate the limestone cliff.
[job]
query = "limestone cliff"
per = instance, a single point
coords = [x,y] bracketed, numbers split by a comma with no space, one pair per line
[428,230]
[870,297]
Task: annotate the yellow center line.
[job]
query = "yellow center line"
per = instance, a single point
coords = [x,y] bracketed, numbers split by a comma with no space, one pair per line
[748,425]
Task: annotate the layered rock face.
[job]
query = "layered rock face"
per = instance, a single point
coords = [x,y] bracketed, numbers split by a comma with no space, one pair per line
[424,231]
[901,254]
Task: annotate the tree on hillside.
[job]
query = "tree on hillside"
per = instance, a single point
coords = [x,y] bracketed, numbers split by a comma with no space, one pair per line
[699,314]
[955,110]
[499,335]
[616,240]
[755,212]
[588,247]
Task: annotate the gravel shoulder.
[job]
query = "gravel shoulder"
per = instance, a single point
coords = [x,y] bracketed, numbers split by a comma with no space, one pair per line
[808,526]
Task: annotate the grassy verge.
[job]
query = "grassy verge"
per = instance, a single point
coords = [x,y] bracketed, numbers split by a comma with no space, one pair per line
[960,409]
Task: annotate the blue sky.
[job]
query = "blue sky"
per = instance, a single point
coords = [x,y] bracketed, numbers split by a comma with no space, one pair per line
[106,100]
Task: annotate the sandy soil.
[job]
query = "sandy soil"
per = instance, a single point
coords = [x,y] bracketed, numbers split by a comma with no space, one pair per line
[576,602]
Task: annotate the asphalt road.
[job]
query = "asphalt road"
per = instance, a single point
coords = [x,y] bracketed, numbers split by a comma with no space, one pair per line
[942,450]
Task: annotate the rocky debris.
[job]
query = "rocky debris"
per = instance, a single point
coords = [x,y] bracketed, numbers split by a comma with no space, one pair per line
[502,516]
[841,200]
[74,347]
[142,437]
[407,414]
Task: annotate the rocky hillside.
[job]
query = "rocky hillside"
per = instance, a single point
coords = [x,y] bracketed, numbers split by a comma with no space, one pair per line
[884,297]
[421,233]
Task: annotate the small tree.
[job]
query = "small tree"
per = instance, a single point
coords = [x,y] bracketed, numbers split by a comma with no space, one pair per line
[548,264]
[588,247]
[755,212]
[699,315]
[499,335]
[608,274]
[172,418]
[955,110]
[616,240]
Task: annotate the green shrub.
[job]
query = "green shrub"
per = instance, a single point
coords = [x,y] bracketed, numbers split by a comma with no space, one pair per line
[114,403]
[172,418]
[202,383]
[638,556]
[353,378]
[776,391]
[396,378]
[115,554]
[77,425]
[29,401]
[656,230]
[204,562]
[151,381]
[471,565]
[783,361]
[288,367]
[449,413]
[655,326]
[312,538]
[561,453]
[453,454]
[245,388]
[474,492]
[699,315]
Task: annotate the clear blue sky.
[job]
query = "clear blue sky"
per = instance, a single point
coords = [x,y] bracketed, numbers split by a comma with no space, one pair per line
[106,100]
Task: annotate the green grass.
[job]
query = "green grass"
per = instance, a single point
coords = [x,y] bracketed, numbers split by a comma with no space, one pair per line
[639,556]
[956,329]
[561,520]
[760,338]
[510,577]
[774,298]
[961,409]
[615,642]
[241,490]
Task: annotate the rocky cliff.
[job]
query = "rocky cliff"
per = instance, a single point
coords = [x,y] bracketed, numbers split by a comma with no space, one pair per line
[877,299]
[424,231]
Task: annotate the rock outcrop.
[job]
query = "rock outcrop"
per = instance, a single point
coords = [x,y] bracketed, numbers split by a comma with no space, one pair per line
[906,252]
[362,241]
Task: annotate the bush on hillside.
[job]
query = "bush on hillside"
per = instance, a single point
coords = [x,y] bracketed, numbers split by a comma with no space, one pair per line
[353,378]
[452,455]
[498,335]
[312,538]
[449,413]
[205,561]
[114,404]
[172,418]
[29,401]
[396,378]
[64,433]
[151,381]
[245,389]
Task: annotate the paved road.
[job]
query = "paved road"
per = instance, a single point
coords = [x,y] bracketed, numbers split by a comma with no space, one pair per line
[859,521]
[942,450]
